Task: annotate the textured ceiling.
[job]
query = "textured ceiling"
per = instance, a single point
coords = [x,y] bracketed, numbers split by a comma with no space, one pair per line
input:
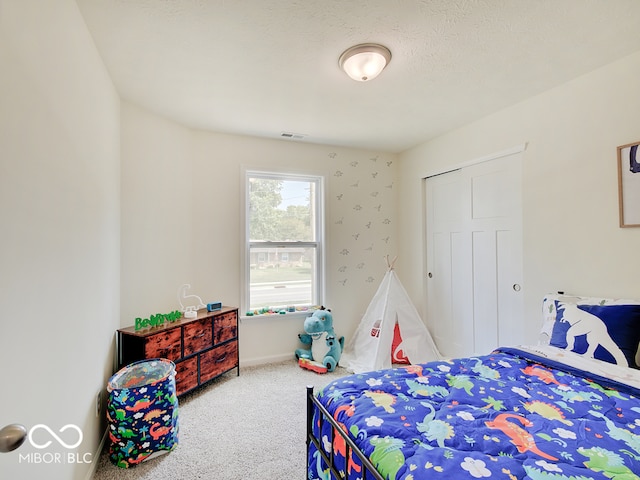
[264,67]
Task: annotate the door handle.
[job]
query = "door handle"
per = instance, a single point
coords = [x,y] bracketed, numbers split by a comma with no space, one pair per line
[11,437]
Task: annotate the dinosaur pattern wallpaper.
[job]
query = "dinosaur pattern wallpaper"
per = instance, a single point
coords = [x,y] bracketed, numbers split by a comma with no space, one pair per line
[362,202]
[508,415]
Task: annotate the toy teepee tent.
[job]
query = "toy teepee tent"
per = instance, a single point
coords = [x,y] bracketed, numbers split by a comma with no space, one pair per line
[372,347]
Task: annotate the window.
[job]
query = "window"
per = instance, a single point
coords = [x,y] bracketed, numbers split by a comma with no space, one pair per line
[284,233]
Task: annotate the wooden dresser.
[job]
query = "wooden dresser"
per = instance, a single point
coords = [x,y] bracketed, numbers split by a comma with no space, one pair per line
[202,348]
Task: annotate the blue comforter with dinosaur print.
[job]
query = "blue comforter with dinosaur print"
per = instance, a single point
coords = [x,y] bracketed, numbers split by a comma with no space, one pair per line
[508,415]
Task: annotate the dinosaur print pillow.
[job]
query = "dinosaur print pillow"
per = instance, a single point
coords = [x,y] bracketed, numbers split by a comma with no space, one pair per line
[606,332]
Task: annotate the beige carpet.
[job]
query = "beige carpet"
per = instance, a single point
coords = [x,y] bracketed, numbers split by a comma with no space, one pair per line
[243,427]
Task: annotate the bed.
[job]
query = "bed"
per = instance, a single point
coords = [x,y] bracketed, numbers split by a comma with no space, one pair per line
[563,409]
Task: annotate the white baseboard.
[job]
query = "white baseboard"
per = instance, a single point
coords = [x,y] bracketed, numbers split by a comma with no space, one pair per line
[253,362]
[96,457]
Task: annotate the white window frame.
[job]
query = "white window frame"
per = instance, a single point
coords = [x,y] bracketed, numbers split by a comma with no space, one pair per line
[319,244]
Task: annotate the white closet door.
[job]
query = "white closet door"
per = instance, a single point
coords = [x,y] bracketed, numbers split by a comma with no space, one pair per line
[449,285]
[474,256]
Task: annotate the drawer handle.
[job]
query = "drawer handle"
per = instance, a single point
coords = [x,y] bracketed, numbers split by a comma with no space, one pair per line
[221,359]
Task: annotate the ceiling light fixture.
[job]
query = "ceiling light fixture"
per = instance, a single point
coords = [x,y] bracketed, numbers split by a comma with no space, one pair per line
[364,62]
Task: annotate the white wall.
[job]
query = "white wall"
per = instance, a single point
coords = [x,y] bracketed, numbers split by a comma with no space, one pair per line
[182,223]
[572,241]
[59,246]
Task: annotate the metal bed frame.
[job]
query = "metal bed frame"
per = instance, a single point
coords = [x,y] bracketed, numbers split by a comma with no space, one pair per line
[314,406]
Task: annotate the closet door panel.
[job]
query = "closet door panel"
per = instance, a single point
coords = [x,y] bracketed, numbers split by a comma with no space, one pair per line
[474,256]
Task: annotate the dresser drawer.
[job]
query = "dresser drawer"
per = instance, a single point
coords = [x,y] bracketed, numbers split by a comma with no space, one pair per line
[186,375]
[225,327]
[218,360]
[197,336]
[164,345]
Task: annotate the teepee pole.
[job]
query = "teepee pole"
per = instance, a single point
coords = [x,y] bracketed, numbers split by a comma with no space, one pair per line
[391,265]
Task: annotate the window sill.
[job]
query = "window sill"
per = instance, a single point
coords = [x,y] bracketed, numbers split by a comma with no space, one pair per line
[292,315]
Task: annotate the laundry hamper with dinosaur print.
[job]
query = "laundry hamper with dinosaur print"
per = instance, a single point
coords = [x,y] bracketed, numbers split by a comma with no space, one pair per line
[142,411]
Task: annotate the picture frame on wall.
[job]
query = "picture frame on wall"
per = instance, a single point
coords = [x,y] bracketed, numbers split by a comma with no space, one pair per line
[629,184]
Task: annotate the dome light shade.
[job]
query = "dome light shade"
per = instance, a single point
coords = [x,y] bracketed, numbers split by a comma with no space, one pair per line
[364,62]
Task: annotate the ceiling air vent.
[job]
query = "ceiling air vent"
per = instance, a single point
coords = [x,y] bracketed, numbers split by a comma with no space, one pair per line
[292,136]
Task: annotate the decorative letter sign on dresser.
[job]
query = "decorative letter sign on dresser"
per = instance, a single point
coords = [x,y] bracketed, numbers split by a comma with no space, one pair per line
[202,348]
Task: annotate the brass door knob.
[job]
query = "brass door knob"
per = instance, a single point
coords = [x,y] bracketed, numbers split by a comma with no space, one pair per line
[11,437]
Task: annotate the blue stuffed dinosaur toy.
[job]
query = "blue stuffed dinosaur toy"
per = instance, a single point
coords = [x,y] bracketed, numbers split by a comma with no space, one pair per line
[325,347]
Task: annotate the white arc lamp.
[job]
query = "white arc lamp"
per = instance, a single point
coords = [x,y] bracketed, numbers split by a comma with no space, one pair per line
[365,62]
